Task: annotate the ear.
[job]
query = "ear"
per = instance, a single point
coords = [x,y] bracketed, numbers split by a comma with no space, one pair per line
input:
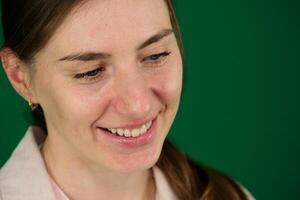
[17,73]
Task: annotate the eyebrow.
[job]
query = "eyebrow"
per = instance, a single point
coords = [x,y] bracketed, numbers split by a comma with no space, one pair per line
[155,38]
[90,56]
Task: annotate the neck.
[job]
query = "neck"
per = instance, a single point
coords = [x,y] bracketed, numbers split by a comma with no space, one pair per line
[78,180]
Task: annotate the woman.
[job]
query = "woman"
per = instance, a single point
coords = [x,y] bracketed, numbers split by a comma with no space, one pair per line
[104,80]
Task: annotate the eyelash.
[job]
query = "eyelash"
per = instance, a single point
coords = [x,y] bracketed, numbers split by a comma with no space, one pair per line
[90,75]
[155,59]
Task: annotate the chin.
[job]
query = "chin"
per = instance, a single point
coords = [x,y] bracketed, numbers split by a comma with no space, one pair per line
[138,161]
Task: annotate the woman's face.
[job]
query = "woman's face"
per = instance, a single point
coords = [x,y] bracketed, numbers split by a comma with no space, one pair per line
[112,66]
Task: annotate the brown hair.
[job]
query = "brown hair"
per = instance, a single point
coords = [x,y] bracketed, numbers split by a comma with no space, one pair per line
[28,26]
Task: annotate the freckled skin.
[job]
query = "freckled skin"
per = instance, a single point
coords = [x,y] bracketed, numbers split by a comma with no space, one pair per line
[127,91]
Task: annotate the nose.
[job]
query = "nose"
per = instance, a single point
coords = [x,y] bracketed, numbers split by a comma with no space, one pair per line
[133,96]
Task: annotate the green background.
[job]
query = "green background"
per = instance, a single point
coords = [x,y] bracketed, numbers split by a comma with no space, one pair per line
[240,108]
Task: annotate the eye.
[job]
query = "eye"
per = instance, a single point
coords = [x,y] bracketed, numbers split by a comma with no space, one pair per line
[90,75]
[156,58]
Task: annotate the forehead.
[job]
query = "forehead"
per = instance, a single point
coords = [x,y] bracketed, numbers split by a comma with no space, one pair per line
[107,24]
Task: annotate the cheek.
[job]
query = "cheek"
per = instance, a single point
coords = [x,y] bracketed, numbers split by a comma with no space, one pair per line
[167,84]
[67,102]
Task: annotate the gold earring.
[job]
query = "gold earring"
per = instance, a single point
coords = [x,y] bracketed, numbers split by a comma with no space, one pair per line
[33,106]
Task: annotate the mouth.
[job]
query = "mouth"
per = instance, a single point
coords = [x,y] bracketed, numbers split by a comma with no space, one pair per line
[132,132]
[131,136]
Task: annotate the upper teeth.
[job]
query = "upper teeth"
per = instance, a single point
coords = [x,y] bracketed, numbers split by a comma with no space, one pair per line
[131,133]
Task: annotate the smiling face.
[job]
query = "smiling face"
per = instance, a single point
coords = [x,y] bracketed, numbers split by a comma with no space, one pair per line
[109,82]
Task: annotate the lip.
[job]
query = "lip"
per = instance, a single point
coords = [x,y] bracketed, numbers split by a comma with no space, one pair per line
[131,142]
[132,125]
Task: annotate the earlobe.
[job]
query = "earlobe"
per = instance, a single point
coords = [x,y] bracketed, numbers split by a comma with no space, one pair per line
[16,72]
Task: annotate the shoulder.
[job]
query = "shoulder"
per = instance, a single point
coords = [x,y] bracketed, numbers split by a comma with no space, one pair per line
[24,175]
